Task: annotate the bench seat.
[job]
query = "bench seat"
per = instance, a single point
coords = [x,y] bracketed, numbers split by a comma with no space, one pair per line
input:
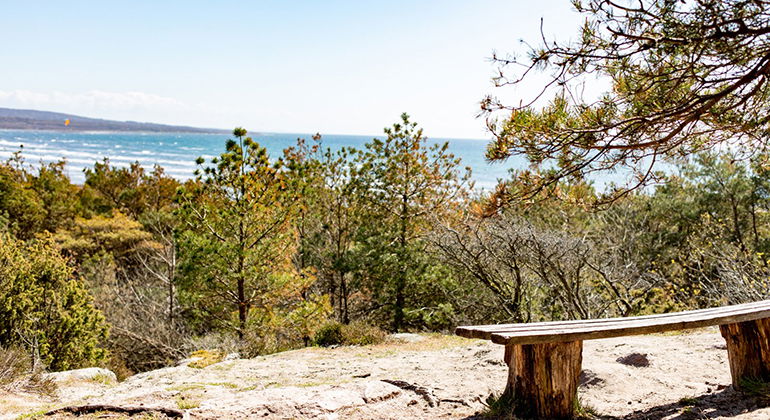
[590,329]
[544,358]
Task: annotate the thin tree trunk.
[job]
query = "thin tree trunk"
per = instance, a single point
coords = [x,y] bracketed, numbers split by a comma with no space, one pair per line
[398,318]
[170,302]
[736,223]
[242,309]
[344,299]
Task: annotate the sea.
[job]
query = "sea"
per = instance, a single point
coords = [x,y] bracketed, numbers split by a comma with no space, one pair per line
[176,152]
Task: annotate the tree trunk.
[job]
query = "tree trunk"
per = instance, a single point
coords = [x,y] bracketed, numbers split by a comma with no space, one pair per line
[170,301]
[171,281]
[241,310]
[543,379]
[398,317]
[344,299]
[737,223]
[748,348]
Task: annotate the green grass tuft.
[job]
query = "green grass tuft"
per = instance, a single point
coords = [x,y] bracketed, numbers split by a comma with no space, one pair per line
[756,388]
[186,403]
[502,406]
[206,358]
[498,407]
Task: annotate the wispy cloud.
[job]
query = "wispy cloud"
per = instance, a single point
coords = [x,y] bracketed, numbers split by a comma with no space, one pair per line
[145,107]
[99,101]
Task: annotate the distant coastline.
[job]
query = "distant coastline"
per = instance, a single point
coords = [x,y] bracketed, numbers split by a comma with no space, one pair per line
[137,132]
[34,120]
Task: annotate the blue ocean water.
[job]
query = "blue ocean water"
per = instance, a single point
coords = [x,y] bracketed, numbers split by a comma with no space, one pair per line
[176,152]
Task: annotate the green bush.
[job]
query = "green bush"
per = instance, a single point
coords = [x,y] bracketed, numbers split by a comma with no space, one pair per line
[354,334]
[329,335]
[45,309]
[359,333]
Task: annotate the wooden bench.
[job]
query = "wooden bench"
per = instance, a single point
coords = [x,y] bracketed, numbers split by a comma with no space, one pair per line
[544,358]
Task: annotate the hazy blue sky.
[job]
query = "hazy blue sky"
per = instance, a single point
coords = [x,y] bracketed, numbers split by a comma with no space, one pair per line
[286,66]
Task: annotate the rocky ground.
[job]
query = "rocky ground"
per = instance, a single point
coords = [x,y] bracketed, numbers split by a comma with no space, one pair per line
[680,376]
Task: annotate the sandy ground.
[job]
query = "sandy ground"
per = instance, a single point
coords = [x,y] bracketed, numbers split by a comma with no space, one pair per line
[428,376]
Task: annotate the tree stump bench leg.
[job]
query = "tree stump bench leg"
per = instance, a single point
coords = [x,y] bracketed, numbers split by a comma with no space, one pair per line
[748,349]
[543,379]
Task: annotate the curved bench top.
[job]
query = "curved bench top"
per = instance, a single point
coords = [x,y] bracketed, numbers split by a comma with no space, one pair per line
[562,331]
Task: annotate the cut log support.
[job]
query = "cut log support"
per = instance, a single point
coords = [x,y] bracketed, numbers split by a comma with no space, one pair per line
[543,379]
[748,348]
[544,357]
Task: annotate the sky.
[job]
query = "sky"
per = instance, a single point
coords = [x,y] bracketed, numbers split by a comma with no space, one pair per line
[334,67]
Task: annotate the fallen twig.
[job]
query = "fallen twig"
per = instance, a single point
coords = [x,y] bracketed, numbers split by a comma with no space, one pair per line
[90,409]
[425,393]
[450,400]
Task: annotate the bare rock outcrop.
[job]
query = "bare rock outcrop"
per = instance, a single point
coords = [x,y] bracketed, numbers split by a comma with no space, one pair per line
[433,377]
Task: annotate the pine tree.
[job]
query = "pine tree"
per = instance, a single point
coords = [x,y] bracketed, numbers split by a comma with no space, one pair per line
[405,183]
[238,239]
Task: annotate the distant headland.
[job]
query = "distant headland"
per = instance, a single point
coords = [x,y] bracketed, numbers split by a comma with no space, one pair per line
[27,119]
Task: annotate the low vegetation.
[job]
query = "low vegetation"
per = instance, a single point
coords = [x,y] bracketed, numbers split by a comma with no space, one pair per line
[45,308]
[356,333]
[135,270]
[203,358]
[19,372]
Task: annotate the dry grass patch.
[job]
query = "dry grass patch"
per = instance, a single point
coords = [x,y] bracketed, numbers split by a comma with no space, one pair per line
[205,358]
[19,373]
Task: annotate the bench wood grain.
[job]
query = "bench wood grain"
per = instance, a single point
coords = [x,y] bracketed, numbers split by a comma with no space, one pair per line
[544,358]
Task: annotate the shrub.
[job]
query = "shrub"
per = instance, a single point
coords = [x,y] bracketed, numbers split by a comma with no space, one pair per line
[359,333]
[224,342]
[45,309]
[117,365]
[329,335]
[356,333]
